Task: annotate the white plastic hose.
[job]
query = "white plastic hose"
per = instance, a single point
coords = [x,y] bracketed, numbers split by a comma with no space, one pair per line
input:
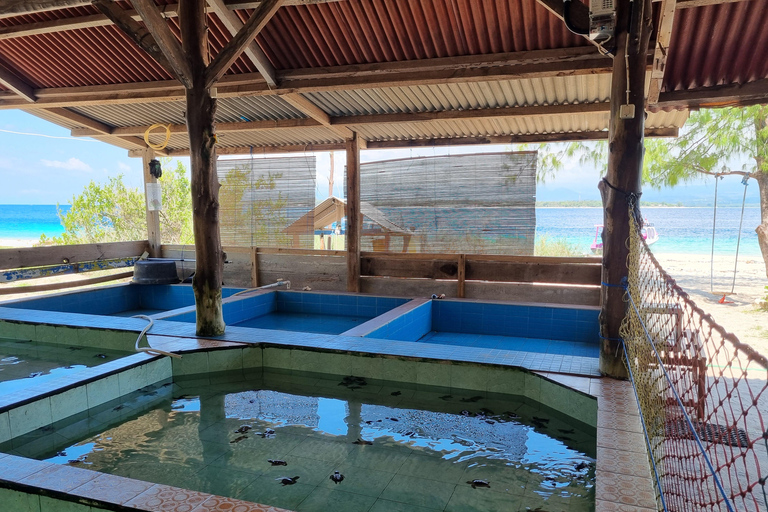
[149,350]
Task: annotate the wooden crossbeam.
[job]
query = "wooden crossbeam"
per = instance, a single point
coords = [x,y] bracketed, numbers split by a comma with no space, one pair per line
[11,80]
[244,37]
[10,8]
[389,144]
[253,51]
[340,123]
[165,40]
[731,95]
[520,65]
[663,38]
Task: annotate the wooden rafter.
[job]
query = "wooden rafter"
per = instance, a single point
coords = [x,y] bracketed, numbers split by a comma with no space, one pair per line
[303,104]
[731,95]
[9,8]
[165,40]
[253,51]
[244,37]
[663,38]
[11,80]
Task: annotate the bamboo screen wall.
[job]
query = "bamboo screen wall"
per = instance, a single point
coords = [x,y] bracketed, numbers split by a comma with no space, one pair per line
[480,204]
[260,197]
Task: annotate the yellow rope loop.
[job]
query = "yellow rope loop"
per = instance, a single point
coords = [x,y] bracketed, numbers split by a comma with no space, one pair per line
[161,146]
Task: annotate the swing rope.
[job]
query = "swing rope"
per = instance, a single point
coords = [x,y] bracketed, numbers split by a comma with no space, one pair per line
[745,182]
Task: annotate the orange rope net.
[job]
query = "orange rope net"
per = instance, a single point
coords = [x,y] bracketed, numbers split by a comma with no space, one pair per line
[702,394]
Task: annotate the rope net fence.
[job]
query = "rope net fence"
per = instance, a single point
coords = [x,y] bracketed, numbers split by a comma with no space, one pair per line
[702,394]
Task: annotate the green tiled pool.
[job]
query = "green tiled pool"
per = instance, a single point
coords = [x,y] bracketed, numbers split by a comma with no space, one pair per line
[24,363]
[398,446]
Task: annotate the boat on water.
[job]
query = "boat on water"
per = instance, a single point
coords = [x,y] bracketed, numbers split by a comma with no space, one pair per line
[649,233]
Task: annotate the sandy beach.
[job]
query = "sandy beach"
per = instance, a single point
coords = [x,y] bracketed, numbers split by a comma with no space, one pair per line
[741,315]
[16,242]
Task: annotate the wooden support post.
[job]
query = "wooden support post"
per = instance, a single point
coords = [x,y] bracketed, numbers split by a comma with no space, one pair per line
[254,267]
[153,216]
[201,107]
[462,274]
[354,225]
[623,179]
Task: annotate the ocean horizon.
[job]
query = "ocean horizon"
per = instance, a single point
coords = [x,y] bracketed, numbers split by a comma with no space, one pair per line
[681,229]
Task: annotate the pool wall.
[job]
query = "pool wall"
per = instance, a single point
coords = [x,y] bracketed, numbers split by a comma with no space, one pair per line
[514,320]
[236,309]
[115,299]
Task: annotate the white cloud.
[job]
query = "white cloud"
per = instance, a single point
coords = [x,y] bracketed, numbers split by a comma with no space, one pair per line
[123,167]
[73,164]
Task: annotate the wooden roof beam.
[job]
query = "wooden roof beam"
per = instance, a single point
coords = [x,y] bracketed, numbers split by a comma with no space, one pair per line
[339,123]
[138,33]
[165,39]
[253,50]
[241,40]
[11,80]
[490,68]
[663,39]
[719,96]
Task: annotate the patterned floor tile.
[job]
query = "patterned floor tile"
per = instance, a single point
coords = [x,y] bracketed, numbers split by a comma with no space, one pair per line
[167,499]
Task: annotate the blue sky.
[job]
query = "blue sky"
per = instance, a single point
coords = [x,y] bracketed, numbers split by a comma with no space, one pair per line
[41,164]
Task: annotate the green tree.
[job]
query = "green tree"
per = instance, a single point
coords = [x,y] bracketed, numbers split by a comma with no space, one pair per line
[711,141]
[112,212]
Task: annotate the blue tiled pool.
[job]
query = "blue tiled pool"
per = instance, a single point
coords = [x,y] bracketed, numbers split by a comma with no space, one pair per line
[543,329]
[119,300]
[322,313]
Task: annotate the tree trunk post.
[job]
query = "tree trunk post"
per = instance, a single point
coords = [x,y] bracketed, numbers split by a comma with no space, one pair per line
[354,226]
[201,107]
[624,175]
[153,216]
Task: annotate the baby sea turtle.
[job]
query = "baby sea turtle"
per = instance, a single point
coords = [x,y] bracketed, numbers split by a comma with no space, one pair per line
[396,393]
[238,439]
[472,399]
[336,477]
[277,462]
[61,454]
[479,483]
[445,397]
[362,442]
[353,381]
[243,429]
[101,356]
[540,420]
[581,466]
[35,374]
[287,480]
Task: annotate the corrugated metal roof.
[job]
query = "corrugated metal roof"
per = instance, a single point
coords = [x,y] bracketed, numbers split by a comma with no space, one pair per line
[718,44]
[430,98]
[357,31]
[229,110]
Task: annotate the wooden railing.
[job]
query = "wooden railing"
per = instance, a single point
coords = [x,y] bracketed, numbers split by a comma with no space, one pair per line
[514,278]
[35,262]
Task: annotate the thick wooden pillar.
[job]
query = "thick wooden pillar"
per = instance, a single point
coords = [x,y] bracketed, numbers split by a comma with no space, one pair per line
[354,224]
[153,217]
[201,107]
[623,179]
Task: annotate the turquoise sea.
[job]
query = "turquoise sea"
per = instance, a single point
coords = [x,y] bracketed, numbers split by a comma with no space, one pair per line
[681,230]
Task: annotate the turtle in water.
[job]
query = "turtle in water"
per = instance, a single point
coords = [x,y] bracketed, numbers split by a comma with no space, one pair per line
[243,429]
[396,393]
[336,477]
[472,399]
[479,483]
[101,356]
[277,462]
[362,441]
[238,439]
[287,480]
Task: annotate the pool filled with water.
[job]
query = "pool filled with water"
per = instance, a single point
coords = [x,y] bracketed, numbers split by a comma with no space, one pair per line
[24,363]
[305,322]
[398,448]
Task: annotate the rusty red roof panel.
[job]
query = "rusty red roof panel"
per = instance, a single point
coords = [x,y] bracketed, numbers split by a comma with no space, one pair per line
[718,44]
[362,31]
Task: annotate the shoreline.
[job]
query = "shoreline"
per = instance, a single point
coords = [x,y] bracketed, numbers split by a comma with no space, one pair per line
[16,243]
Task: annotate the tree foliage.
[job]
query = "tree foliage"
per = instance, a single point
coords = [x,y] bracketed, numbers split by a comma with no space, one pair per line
[113,212]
